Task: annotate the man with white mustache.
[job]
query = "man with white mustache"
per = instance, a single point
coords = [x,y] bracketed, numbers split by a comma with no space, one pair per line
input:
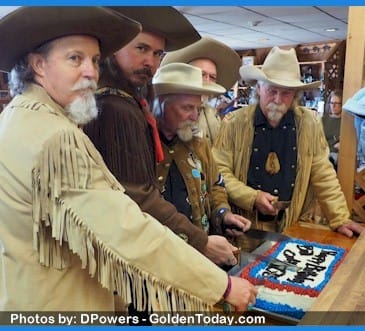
[69,235]
[188,176]
[275,150]
[83,109]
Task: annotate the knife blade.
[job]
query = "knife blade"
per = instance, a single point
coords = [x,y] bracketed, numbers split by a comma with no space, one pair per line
[273,260]
[244,258]
[266,235]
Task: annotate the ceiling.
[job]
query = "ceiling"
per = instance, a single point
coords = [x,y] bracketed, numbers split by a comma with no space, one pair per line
[245,28]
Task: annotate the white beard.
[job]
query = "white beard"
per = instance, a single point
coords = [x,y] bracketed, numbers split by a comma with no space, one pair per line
[187,130]
[83,109]
[276,112]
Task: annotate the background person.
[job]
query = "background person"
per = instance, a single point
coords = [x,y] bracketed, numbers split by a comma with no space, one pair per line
[331,121]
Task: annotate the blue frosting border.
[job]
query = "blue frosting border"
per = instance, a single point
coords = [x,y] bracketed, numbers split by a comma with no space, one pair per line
[284,309]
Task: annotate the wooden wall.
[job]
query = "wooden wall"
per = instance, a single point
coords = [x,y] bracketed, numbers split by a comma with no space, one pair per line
[354,80]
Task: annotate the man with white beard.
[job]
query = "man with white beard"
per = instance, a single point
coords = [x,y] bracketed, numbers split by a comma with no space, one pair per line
[188,176]
[275,150]
[69,235]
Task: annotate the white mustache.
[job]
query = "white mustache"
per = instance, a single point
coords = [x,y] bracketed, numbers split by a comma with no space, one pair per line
[85,84]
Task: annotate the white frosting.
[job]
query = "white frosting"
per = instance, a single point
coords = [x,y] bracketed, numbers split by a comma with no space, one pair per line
[306,262]
[284,297]
[309,258]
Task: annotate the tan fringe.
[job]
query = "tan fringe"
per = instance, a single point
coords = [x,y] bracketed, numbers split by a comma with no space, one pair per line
[307,145]
[57,230]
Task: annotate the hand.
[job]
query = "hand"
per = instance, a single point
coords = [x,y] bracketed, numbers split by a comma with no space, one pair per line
[242,294]
[350,229]
[264,202]
[238,221]
[220,251]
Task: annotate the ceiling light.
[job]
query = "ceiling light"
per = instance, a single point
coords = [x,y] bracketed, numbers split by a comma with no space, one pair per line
[331,29]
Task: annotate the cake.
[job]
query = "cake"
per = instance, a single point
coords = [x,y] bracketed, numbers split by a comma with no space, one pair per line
[290,290]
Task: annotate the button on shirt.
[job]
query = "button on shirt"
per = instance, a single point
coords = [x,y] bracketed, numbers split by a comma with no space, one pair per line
[281,140]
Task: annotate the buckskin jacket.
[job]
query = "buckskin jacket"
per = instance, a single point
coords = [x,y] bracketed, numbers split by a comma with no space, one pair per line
[209,122]
[69,236]
[122,136]
[315,174]
[202,179]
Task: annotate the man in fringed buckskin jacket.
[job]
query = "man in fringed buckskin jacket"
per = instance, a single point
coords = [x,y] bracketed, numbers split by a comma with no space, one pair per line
[276,150]
[69,235]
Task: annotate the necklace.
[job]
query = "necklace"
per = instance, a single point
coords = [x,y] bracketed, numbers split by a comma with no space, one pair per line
[272,165]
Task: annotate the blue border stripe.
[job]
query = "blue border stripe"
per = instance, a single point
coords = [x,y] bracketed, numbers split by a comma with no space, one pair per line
[187,2]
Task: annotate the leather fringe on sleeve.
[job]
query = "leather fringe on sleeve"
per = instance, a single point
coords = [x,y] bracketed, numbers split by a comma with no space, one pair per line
[58,230]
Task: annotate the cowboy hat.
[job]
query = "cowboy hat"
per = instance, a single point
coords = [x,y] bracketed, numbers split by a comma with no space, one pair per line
[27,28]
[165,21]
[280,68]
[182,78]
[225,58]
[356,104]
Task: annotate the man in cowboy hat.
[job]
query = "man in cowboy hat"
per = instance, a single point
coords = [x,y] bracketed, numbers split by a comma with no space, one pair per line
[125,132]
[219,64]
[69,236]
[188,176]
[276,150]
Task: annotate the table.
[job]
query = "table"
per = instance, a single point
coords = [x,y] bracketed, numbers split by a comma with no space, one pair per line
[349,278]
[342,302]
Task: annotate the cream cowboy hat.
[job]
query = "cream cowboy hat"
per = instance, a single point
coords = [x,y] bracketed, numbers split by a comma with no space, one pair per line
[165,21]
[182,78]
[225,58]
[27,28]
[280,68]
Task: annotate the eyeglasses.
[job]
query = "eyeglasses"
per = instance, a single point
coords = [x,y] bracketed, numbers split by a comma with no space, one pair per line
[335,103]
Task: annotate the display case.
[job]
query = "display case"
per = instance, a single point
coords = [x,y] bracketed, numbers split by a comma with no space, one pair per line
[4,91]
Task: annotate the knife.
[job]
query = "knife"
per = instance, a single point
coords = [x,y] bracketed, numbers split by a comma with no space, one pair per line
[261,234]
[266,235]
[244,258]
[273,260]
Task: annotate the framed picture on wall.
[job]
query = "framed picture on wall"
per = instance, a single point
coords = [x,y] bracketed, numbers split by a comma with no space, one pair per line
[248,60]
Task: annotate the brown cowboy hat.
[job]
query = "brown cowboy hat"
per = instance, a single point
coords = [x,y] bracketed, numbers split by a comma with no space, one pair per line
[165,21]
[26,28]
[182,78]
[280,68]
[225,58]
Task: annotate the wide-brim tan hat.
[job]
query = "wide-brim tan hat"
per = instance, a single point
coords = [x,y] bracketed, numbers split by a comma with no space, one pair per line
[26,28]
[280,68]
[165,21]
[225,58]
[182,78]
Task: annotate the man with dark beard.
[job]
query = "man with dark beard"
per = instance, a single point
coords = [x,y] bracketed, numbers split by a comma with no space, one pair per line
[276,150]
[125,131]
[188,176]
